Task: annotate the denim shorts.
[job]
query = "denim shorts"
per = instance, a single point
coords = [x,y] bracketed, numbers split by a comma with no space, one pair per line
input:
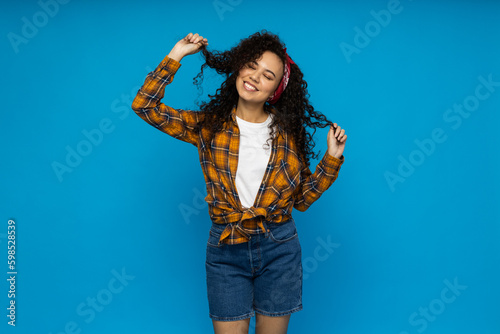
[261,276]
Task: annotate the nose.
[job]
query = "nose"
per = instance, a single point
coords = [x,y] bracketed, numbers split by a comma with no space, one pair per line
[255,76]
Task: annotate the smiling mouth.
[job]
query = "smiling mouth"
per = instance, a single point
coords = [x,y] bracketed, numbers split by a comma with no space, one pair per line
[249,87]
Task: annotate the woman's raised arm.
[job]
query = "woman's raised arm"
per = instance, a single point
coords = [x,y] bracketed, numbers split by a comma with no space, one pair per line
[147,104]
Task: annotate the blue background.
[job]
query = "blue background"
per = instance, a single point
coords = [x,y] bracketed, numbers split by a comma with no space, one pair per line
[128,204]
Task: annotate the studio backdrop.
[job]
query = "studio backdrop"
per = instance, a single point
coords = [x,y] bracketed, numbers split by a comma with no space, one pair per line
[103,219]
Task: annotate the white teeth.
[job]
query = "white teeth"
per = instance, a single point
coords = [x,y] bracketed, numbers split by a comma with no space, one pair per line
[249,87]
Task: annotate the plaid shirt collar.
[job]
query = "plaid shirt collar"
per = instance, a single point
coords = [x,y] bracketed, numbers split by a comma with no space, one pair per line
[280,129]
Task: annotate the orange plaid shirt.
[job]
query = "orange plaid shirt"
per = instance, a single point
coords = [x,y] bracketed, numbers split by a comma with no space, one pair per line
[286,184]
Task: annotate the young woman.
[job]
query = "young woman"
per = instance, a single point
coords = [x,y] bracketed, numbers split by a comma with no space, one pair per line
[254,152]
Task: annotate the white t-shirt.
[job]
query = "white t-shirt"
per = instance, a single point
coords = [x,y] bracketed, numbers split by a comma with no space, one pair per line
[253,158]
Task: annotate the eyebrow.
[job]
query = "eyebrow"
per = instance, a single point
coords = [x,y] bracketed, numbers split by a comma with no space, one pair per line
[266,69]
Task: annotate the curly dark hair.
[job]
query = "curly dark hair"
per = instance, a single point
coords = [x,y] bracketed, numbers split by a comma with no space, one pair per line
[293,112]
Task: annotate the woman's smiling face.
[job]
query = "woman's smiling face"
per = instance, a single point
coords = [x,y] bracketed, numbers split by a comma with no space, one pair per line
[257,80]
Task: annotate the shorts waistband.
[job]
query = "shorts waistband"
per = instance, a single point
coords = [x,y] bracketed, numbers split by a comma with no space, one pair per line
[265,223]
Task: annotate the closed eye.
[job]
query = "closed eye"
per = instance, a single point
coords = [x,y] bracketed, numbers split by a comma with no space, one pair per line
[253,68]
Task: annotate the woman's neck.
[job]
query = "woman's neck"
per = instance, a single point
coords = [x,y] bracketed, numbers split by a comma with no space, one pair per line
[251,113]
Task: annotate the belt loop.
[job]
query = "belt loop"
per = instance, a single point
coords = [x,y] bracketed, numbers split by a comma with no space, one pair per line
[266,230]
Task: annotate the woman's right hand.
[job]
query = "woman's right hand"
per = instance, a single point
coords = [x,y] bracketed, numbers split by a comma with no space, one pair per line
[189,45]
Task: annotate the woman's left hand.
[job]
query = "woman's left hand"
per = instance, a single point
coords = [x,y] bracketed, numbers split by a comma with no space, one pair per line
[336,141]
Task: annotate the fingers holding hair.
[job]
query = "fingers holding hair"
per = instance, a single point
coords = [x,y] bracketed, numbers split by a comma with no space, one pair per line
[196,38]
[339,133]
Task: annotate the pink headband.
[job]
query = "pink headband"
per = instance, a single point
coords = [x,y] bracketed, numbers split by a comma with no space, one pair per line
[284,81]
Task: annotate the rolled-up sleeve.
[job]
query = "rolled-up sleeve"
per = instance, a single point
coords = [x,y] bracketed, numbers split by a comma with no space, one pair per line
[313,185]
[147,104]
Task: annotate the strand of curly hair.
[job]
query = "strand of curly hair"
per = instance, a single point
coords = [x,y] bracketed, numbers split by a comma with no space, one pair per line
[293,110]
